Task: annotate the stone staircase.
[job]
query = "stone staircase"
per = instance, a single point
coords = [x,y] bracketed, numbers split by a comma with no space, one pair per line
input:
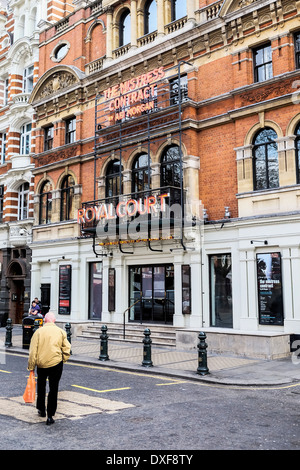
[161,335]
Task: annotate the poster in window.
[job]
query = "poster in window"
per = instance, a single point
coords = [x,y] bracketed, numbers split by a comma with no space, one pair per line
[111,289]
[270,302]
[64,293]
[186,289]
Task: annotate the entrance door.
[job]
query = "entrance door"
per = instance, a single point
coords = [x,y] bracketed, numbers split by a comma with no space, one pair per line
[45,298]
[152,293]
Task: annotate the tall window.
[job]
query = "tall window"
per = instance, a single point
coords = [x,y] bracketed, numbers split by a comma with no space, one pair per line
[220,291]
[150,16]
[265,160]
[170,167]
[28,79]
[3,146]
[174,90]
[297,50]
[140,174]
[45,203]
[48,138]
[23,201]
[25,139]
[262,57]
[112,187]
[124,28]
[297,144]
[70,130]
[67,196]
[178,9]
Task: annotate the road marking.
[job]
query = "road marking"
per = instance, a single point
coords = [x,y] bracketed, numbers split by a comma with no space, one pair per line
[172,383]
[71,405]
[102,391]
[5,371]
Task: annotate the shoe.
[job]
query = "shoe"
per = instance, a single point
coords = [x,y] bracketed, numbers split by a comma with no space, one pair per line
[49,421]
[42,413]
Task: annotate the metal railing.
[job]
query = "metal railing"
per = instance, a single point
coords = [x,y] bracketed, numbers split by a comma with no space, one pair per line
[132,305]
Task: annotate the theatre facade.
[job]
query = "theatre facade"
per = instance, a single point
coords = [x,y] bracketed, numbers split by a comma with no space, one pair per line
[167,140]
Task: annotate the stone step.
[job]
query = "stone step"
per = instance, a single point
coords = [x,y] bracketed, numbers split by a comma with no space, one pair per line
[161,335]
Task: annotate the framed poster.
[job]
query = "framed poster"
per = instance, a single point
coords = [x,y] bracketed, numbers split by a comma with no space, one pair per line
[270,301]
[111,289]
[64,290]
[186,288]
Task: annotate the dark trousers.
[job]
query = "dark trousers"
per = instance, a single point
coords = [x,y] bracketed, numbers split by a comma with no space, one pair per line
[54,375]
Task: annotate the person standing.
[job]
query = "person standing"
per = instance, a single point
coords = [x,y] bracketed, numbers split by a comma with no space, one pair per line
[49,349]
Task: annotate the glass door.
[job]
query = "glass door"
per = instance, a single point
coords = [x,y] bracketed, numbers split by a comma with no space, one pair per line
[151,293]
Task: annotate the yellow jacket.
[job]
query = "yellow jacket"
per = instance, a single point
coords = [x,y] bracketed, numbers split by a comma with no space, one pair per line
[48,347]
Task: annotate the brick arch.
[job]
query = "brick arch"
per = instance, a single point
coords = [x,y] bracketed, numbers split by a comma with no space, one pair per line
[258,126]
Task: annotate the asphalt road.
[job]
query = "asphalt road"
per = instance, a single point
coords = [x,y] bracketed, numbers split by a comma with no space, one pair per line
[105,409]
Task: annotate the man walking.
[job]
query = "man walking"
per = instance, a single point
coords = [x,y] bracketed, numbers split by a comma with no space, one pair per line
[49,349]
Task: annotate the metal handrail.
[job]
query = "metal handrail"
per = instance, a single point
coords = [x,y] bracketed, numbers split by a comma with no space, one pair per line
[139,299]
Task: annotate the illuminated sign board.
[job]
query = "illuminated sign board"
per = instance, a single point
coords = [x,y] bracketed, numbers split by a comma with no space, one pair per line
[129,208]
[133,97]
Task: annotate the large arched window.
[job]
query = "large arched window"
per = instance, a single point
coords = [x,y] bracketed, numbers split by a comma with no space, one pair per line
[45,203]
[265,160]
[170,167]
[140,174]
[67,197]
[124,28]
[150,16]
[178,9]
[112,187]
[297,145]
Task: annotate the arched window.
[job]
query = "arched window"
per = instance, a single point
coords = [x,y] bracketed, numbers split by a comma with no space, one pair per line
[150,16]
[67,197]
[23,201]
[112,187]
[170,167]
[125,28]
[297,145]
[178,9]
[265,160]
[140,174]
[45,203]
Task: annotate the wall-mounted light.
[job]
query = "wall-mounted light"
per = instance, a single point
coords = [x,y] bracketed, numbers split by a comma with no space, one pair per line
[264,242]
[227,213]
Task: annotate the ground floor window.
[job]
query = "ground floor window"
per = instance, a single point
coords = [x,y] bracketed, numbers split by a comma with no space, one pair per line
[270,303]
[95,291]
[221,291]
[151,293]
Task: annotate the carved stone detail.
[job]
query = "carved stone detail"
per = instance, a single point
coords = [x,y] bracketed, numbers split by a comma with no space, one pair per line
[56,83]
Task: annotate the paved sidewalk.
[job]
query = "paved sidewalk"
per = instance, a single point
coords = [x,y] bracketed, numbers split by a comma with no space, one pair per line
[176,363]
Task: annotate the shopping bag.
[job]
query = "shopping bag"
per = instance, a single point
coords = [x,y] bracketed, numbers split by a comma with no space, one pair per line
[29,394]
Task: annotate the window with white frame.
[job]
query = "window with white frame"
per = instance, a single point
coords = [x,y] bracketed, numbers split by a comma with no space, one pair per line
[3,147]
[28,79]
[25,141]
[23,201]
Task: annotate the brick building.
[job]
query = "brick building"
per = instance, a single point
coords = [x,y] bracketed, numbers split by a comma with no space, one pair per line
[142,103]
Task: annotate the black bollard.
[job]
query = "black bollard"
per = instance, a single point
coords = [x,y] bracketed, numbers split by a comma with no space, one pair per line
[202,355]
[103,344]
[147,362]
[8,336]
[69,333]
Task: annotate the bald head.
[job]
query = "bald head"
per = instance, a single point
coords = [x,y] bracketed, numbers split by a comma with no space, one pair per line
[50,317]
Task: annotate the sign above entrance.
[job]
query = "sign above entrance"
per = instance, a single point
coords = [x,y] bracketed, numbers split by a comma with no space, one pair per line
[130,208]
